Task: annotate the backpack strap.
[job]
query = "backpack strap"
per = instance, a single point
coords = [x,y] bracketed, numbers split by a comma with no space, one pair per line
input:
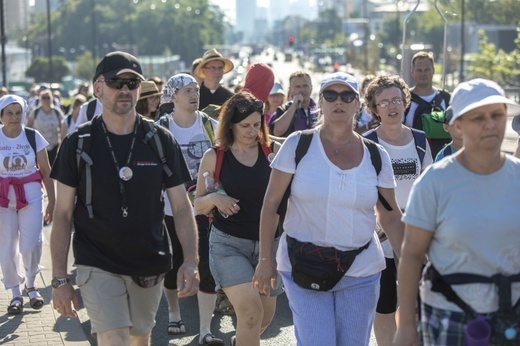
[31,137]
[82,155]
[419,138]
[208,127]
[218,163]
[375,158]
[303,145]
[156,143]
[91,108]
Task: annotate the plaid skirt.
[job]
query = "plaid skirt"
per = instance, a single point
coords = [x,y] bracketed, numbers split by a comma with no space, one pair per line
[442,327]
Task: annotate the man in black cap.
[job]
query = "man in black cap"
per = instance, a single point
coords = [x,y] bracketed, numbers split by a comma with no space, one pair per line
[116,201]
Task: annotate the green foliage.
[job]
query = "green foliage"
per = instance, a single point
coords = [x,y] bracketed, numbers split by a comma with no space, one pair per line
[40,69]
[498,65]
[144,27]
[85,66]
[490,12]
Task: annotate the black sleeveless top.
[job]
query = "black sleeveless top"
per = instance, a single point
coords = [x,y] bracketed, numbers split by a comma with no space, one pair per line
[248,184]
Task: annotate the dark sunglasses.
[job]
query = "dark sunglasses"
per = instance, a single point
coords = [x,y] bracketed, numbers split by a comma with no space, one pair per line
[245,107]
[346,96]
[118,84]
[45,98]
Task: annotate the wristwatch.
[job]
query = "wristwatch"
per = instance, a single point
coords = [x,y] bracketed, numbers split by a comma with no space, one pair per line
[58,282]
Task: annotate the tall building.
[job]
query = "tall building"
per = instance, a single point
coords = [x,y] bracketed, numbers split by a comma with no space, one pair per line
[245,17]
[16,17]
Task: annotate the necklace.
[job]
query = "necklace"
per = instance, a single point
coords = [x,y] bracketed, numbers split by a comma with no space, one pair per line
[329,142]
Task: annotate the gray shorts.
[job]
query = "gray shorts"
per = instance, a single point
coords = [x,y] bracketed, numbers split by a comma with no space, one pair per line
[116,301]
[233,260]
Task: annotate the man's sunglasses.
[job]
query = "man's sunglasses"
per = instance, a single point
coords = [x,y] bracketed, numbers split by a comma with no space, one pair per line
[346,96]
[118,84]
[245,107]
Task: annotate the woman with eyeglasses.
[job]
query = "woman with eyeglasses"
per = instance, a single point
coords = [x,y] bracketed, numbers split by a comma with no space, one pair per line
[386,98]
[330,212]
[148,100]
[243,145]
[47,118]
[25,166]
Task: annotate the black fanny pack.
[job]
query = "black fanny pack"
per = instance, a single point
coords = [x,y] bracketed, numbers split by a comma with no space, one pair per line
[319,268]
[148,281]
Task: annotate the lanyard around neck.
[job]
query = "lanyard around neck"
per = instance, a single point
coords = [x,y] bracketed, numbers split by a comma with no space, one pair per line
[125,173]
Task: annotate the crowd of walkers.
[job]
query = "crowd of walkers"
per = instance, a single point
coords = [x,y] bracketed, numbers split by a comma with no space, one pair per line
[187,188]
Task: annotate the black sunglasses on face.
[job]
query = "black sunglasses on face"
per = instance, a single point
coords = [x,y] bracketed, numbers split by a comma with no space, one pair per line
[118,84]
[346,96]
[244,107]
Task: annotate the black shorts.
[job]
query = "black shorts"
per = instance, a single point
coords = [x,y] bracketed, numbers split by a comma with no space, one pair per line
[387,303]
[207,284]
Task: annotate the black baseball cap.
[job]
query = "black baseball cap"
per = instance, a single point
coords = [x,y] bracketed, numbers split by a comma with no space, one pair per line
[118,62]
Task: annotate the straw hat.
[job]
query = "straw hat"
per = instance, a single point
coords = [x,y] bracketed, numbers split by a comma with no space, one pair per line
[211,55]
[149,89]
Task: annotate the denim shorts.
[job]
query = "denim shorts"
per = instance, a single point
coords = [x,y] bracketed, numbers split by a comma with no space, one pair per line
[233,260]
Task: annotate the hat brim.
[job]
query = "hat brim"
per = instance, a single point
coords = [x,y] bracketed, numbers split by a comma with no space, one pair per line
[147,95]
[334,82]
[228,66]
[513,108]
[112,74]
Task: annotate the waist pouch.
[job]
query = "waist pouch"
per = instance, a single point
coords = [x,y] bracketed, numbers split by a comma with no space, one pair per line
[148,281]
[319,268]
[504,323]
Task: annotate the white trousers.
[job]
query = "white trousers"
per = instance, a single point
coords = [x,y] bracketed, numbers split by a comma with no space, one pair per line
[21,239]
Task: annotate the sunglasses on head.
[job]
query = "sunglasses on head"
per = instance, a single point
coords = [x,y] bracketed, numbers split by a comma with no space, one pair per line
[346,96]
[245,107]
[118,83]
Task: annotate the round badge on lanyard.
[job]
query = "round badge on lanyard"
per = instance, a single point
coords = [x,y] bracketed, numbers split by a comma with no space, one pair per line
[125,173]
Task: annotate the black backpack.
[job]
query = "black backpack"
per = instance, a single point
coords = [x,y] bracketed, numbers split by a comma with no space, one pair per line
[31,137]
[84,161]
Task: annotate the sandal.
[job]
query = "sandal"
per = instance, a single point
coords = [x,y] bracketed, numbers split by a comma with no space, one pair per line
[15,306]
[210,339]
[36,302]
[179,325]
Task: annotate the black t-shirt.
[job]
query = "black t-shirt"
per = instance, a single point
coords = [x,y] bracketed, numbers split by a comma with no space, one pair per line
[219,97]
[248,184]
[137,244]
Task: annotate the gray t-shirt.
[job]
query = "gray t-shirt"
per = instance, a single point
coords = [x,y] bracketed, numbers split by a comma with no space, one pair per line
[475,223]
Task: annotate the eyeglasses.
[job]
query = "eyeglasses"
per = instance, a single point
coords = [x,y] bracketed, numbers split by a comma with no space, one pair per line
[214,68]
[245,107]
[45,97]
[346,96]
[118,84]
[385,103]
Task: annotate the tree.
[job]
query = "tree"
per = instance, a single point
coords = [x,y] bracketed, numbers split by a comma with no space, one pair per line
[499,66]
[40,70]
[85,66]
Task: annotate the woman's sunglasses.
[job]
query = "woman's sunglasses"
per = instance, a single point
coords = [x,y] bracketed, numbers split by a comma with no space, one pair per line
[118,84]
[346,96]
[245,107]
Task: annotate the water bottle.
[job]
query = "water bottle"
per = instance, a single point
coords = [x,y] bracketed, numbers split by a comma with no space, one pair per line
[214,186]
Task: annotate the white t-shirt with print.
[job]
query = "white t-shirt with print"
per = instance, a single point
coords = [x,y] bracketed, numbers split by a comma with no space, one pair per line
[48,124]
[329,206]
[18,160]
[193,142]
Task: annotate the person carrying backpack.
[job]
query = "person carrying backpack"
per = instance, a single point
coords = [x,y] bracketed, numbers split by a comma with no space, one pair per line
[46,118]
[427,101]
[386,98]
[329,257]
[24,168]
[112,173]
[240,163]
[195,133]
